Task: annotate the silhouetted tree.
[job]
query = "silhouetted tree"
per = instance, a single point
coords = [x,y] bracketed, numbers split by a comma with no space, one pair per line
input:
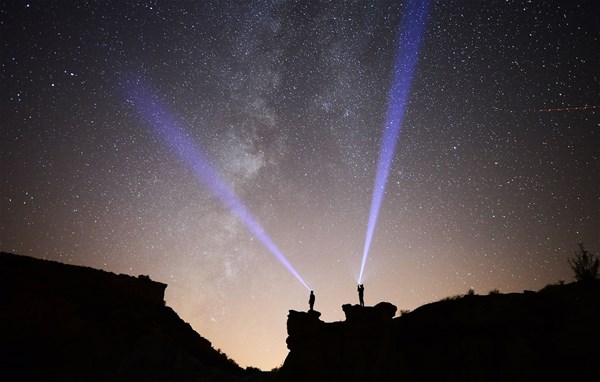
[584,264]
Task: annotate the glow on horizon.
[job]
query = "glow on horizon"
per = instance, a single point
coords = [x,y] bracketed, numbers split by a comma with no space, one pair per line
[172,133]
[405,60]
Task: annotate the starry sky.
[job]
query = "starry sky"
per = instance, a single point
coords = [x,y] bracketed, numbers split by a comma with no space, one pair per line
[493,183]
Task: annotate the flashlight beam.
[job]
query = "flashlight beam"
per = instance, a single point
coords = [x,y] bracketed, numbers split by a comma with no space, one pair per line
[407,52]
[171,131]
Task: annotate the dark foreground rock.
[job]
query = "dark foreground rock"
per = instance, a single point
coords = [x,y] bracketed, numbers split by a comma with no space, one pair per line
[67,323]
[356,349]
[551,335]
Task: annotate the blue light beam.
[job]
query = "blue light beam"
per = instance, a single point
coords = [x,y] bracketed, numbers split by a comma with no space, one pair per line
[406,56]
[170,130]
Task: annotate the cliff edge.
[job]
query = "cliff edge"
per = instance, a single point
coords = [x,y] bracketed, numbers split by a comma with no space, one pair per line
[550,335]
[358,348]
[67,323]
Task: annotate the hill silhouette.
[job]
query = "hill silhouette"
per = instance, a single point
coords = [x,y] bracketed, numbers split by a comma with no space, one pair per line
[550,335]
[71,323]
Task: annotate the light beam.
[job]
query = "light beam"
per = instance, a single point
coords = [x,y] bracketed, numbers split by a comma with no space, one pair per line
[171,131]
[406,55]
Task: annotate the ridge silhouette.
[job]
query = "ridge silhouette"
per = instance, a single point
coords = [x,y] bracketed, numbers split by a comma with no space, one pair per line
[64,322]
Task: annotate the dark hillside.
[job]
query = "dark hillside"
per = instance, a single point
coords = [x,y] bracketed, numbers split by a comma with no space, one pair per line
[551,335]
[64,322]
[70,323]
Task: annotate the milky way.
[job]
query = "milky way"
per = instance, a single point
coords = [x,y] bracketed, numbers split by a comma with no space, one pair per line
[288,101]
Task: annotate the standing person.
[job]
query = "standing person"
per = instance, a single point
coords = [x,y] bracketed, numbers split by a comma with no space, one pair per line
[361,292]
[311,300]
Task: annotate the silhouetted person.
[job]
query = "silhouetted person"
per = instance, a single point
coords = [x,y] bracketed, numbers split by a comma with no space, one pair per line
[311,300]
[361,293]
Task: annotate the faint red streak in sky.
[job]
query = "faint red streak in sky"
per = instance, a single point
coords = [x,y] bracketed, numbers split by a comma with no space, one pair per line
[570,108]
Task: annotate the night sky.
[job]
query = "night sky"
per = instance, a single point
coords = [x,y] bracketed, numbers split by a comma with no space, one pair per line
[493,183]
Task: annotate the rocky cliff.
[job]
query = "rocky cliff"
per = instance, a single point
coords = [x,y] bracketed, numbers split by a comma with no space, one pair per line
[551,335]
[355,349]
[70,323]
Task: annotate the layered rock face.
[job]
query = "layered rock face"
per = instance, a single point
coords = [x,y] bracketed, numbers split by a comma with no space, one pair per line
[68,323]
[355,349]
[550,335]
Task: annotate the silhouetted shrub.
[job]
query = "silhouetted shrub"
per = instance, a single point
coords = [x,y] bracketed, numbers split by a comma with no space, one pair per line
[552,286]
[404,311]
[253,370]
[452,298]
[494,291]
[470,292]
[584,264]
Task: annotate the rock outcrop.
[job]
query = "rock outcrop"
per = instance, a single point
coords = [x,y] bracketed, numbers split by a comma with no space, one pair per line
[550,335]
[67,323]
[355,349]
